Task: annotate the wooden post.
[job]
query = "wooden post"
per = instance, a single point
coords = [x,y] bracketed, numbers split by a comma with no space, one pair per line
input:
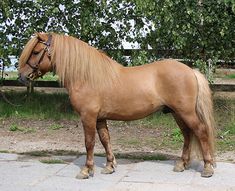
[30,88]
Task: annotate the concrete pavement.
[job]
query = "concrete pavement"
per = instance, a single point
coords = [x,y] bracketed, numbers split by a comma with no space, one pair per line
[20,173]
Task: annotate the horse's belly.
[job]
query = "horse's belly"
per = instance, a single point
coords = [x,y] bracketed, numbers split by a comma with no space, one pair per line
[134,99]
[132,111]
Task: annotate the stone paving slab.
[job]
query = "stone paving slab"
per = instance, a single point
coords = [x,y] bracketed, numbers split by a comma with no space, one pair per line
[32,175]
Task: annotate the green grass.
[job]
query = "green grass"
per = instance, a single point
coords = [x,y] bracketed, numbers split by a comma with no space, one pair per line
[160,119]
[225,124]
[132,142]
[55,127]
[227,144]
[137,156]
[224,110]
[4,151]
[230,128]
[14,127]
[177,135]
[37,153]
[52,161]
[230,76]
[37,106]
[144,156]
[47,153]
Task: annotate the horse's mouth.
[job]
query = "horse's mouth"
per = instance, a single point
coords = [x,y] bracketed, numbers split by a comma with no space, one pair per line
[23,80]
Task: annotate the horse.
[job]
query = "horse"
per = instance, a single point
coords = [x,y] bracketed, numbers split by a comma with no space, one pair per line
[101,89]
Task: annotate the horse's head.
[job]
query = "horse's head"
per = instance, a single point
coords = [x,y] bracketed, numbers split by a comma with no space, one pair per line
[35,59]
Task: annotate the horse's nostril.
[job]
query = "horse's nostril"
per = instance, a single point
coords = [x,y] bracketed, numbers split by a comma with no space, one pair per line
[23,79]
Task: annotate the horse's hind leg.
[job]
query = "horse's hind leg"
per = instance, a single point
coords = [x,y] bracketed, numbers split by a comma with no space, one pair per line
[105,140]
[199,129]
[185,158]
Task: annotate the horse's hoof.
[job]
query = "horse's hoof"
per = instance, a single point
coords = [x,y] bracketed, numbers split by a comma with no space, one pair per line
[179,166]
[108,170]
[85,173]
[208,171]
[82,176]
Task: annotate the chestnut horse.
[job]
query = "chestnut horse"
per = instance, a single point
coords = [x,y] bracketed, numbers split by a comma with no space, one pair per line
[100,89]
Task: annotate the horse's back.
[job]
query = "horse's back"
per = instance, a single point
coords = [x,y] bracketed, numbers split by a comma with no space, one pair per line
[169,65]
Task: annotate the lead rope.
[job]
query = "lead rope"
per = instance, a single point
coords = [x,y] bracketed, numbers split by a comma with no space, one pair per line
[7,100]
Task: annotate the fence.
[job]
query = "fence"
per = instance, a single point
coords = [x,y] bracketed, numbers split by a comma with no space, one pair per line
[56,84]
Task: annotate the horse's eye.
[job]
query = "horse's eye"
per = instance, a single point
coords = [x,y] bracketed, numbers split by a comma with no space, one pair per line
[35,52]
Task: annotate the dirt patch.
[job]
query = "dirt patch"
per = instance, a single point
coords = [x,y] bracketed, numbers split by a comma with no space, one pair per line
[68,137]
[126,137]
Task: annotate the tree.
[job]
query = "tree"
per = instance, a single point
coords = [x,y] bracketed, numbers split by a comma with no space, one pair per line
[99,22]
[199,29]
[193,29]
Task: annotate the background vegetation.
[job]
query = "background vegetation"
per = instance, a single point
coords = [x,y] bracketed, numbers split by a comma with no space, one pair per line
[189,29]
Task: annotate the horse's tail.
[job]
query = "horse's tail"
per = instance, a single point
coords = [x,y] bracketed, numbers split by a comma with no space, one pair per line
[204,109]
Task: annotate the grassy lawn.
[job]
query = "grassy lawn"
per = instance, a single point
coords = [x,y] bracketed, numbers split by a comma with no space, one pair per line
[37,106]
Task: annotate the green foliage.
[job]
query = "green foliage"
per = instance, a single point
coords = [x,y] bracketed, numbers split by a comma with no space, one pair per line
[190,29]
[92,21]
[206,67]
[197,29]
[139,58]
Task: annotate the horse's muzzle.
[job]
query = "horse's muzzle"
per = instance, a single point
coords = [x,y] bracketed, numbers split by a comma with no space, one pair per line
[23,79]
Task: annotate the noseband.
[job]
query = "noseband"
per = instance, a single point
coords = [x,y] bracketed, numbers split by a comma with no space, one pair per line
[36,67]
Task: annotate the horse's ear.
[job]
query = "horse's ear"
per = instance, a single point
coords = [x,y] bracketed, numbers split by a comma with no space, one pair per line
[41,36]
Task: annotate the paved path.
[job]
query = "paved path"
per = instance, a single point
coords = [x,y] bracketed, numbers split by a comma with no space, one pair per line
[19,173]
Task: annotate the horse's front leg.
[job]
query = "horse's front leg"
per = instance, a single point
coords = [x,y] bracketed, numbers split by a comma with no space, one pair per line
[89,126]
[105,140]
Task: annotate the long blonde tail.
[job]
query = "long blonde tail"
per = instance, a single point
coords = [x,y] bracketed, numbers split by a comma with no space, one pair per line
[204,109]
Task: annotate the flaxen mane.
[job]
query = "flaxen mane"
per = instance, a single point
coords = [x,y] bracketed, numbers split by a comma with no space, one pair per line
[75,61]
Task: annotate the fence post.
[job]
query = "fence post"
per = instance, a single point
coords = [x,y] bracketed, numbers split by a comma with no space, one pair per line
[30,88]
[209,67]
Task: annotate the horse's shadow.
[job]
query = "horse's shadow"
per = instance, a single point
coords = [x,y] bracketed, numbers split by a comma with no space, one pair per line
[135,157]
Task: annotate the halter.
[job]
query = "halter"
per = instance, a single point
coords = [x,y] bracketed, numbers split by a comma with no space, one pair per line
[46,49]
